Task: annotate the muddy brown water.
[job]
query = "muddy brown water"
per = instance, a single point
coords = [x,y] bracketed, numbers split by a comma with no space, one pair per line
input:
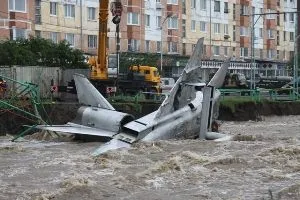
[261,163]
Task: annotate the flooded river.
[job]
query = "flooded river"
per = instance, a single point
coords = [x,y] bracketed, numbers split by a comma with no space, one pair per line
[261,163]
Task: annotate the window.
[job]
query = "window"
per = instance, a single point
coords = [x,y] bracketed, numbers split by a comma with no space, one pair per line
[133,18]
[91,13]
[216,50]
[284,16]
[172,47]
[147,20]
[17,5]
[133,45]
[233,33]
[260,32]
[291,54]
[291,17]
[225,51]
[270,53]
[226,7]
[217,7]
[193,4]
[291,36]
[278,3]
[270,34]
[243,31]
[278,38]
[193,25]
[147,46]
[284,35]
[202,26]
[172,2]
[183,7]
[203,4]
[217,28]
[183,28]
[54,37]
[244,10]
[233,12]
[244,52]
[69,10]
[38,17]
[92,41]
[70,39]
[172,23]
[53,8]
[278,54]
[261,53]
[19,33]
[37,33]
[278,19]
[158,21]
[158,44]
[226,29]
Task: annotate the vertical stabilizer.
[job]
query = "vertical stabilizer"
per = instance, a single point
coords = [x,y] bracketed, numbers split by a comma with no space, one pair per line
[191,74]
[218,79]
[88,95]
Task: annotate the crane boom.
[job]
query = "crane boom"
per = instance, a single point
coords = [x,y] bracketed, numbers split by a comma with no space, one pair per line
[99,67]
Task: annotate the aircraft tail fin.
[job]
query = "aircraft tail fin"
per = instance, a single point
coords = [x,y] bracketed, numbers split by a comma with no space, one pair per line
[218,79]
[88,95]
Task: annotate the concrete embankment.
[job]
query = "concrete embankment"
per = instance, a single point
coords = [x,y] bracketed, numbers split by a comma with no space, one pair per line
[61,113]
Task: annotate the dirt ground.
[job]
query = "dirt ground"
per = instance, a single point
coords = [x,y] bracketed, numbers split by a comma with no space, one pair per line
[262,162]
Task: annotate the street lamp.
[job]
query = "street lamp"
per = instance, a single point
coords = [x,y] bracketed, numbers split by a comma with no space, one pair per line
[161,40]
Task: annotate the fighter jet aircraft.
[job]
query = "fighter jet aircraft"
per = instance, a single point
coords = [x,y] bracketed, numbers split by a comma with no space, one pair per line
[179,116]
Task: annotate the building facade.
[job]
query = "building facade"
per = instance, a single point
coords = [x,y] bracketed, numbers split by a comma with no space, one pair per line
[16,19]
[168,26]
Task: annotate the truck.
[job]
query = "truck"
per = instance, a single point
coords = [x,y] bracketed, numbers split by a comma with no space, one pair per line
[138,78]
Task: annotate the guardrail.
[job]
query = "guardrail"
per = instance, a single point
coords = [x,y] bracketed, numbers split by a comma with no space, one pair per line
[254,94]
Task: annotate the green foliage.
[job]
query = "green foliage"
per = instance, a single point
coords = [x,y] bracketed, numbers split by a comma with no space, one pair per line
[128,59]
[41,52]
[233,102]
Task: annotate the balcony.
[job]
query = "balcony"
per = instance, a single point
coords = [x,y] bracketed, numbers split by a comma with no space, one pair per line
[271,44]
[244,21]
[271,23]
[244,41]
[245,2]
[271,4]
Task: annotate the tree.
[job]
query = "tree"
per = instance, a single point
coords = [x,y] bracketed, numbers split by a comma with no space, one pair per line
[41,52]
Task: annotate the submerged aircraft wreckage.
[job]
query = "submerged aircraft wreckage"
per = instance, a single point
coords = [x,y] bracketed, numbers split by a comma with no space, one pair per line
[187,112]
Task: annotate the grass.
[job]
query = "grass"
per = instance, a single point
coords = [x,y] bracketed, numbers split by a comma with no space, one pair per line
[232,102]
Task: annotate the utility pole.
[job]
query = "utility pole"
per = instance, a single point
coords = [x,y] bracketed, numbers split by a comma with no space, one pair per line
[252,44]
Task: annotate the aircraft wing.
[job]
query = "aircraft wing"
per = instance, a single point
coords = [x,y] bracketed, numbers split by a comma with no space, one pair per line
[77,129]
[88,95]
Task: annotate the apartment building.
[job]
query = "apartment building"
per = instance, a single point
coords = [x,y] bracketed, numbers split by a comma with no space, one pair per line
[16,19]
[167,26]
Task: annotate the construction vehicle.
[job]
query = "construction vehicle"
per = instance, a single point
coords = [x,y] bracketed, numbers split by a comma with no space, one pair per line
[234,81]
[138,78]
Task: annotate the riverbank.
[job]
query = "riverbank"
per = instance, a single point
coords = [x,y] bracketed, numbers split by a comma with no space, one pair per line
[61,113]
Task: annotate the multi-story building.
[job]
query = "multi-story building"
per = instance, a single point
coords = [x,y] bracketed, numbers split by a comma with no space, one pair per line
[16,19]
[167,26]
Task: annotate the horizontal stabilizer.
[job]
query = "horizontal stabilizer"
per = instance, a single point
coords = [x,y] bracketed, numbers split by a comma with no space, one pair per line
[111,145]
[77,129]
